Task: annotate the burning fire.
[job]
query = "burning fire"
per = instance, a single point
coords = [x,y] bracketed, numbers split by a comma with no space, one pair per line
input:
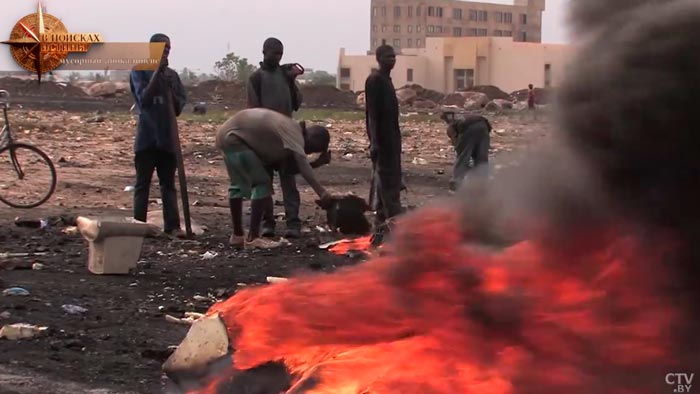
[442,316]
[362,244]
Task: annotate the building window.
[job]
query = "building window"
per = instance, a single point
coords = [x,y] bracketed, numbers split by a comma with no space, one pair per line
[344,72]
[464,79]
[473,15]
[418,28]
[499,16]
[374,11]
[397,28]
[439,12]
[457,13]
[397,43]
[409,75]
[375,28]
[523,35]
[523,19]
[431,29]
[419,43]
[431,11]
[410,11]
[482,33]
[409,43]
[507,33]
[547,75]
[344,86]
[498,33]
[397,12]
[438,29]
[409,28]
[419,11]
[483,16]
[508,17]
[383,11]
[457,31]
[383,28]
[374,43]
[471,32]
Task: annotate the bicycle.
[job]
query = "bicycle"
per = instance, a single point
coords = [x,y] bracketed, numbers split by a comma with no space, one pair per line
[27,175]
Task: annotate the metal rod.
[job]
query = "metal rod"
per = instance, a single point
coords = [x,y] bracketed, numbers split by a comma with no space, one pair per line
[182,178]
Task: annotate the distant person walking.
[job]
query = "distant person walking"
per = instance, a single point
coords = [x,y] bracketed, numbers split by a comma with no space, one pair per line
[531,100]
[154,146]
[273,87]
[382,122]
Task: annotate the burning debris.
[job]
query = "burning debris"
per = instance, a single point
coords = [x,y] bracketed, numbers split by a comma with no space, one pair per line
[598,297]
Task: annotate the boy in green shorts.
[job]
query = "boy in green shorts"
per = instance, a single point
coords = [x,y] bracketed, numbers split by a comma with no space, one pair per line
[252,141]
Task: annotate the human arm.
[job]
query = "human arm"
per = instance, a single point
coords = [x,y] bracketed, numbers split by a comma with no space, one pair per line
[253,90]
[308,174]
[145,87]
[373,104]
[178,91]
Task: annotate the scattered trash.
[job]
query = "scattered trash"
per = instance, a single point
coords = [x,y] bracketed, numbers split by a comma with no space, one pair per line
[96,119]
[31,223]
[72,230]
[5,315]
[38,266]
[330,244]
[348,156]
[209,255]
[15,292]
[419,161]
[18,255]
[74,309]
[188,320]
[440,172]
[200,298]
[274,279]
[285,242]
[129,189]
[15,332]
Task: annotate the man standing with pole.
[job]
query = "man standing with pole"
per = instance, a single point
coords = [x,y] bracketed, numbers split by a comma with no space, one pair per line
[382,113]
[160,98]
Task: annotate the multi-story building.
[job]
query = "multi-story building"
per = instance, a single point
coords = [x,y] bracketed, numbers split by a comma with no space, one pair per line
[407,23]
[449,64]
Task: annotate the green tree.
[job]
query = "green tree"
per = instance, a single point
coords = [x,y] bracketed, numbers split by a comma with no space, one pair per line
[320,77]
[234,68]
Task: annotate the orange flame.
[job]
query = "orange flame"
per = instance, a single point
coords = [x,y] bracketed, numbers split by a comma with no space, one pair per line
[362,244]
[442,316]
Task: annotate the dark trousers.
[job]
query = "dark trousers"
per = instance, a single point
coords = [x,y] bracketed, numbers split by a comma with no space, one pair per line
[292,202]
[388,188]
[165,164]
[472,144]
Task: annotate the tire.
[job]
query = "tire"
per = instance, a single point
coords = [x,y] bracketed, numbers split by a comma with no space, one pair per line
[39,182]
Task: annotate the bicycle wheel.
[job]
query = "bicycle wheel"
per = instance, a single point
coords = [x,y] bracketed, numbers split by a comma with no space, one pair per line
[27,176]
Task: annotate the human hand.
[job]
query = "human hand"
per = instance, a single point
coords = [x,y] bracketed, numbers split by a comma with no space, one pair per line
[326,201]
[323,159]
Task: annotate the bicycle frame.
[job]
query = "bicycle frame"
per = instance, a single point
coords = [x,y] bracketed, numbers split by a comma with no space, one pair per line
[6,134]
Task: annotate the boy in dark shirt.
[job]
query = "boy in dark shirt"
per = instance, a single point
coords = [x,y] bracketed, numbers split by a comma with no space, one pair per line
[382,121]
[273,87]
[154,146]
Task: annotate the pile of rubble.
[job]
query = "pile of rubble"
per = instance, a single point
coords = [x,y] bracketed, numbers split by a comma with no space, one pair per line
[31,88]
[488,98]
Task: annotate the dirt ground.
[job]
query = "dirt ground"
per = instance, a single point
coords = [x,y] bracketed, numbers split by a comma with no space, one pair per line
[119,344]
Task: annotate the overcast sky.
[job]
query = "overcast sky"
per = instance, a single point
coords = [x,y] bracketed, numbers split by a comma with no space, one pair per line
[203,31]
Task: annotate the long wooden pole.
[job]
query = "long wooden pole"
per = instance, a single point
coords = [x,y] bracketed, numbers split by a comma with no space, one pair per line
[182,178]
